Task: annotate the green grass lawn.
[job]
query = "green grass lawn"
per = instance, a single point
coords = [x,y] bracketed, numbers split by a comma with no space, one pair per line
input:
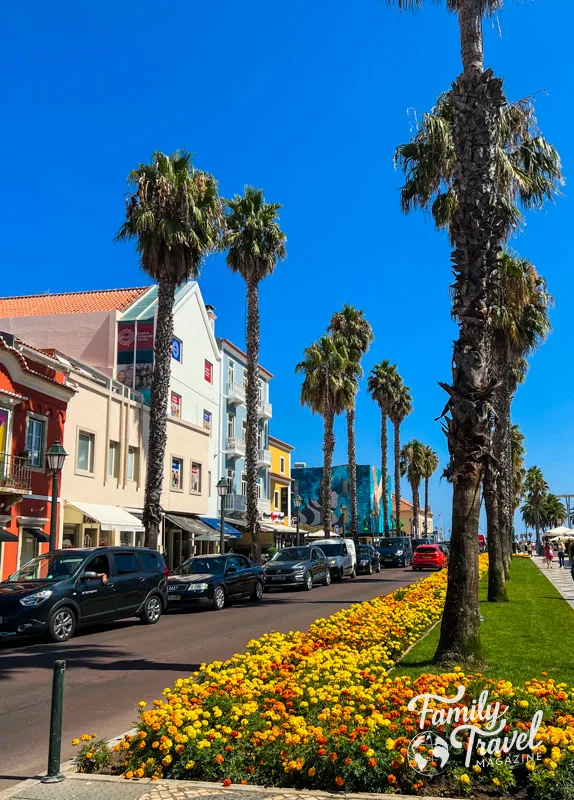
[532,633]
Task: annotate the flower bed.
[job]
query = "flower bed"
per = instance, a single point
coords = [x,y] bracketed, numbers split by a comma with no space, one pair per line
[319,710]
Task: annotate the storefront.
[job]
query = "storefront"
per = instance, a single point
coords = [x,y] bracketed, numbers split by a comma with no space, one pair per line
[93,525]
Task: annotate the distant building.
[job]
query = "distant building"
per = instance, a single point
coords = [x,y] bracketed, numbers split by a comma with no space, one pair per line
[307,483]
[281,480]
[407,518]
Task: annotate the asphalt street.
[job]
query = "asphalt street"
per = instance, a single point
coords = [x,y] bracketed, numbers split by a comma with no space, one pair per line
[109,669]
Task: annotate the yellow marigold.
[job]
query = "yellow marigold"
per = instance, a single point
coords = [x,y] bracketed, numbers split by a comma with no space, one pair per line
[190,765]
[75,742]
[311,772]
[464,778]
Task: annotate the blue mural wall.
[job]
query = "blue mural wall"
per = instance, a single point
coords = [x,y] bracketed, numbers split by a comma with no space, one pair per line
[369,496]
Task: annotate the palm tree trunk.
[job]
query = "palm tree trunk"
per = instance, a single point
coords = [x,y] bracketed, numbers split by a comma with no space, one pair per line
[496,574]
[328,449]
[385,472]
[477,230]
[252,399]
[352,457]
[158,411]
[397,448]
[427,509]
[503,452]
[416,509]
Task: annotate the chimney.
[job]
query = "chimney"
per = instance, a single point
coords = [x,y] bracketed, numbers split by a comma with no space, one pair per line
[211,314]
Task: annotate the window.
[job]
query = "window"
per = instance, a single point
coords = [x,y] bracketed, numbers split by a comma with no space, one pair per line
[230,475]
[259,488]
[276,499]
[207,420]
[100,565]
[244,484]
[177,473]
[36,441]
[151,562]
[260,439]
[126,563]
[243,428]
[176,349]
[85,454]
[133,464]
[175,405]
[208,371]
[230,426]
[195,478]
[244,379]
[282,465]
[231,372]
[113,459]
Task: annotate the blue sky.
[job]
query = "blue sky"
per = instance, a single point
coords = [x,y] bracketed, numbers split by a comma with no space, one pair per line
[307,101]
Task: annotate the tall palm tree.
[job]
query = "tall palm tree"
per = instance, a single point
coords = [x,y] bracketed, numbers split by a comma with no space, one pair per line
[412,465]
[536,490]
[554,512]
[356,333]
[328,389]
[402,406]
[255,244]
[174,213]
[430,464]
[384,381]
[518,471]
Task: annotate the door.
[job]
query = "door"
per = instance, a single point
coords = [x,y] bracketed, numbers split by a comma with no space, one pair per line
[248,573]
[29,547]
[317,565]
[235,577]
[130,583]
[96,598]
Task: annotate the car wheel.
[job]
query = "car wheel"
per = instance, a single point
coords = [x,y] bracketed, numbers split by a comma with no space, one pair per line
[327,580]
[257,592]
[62,624]
[218,598]
[308,582]
[152,610]
[337,575]
[378,567]
[370,570]
[353,574]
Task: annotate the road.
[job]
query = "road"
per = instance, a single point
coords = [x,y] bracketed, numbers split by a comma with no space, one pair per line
[109,669]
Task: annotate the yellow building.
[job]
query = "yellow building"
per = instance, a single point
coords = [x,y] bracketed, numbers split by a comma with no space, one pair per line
[280,480]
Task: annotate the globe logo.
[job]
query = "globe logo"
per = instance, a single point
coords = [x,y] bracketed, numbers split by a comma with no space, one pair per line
[428,754]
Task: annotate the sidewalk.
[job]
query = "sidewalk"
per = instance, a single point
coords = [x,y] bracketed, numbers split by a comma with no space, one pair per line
[560,578]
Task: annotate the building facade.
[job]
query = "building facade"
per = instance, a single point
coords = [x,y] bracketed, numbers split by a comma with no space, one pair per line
[280,481]
[34,395]
[407,519]
[232,432]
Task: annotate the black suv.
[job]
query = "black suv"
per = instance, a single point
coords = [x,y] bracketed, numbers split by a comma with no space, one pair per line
[396,551]
[57,591]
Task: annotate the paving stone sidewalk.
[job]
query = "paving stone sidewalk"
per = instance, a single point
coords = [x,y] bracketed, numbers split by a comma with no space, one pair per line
[560,578]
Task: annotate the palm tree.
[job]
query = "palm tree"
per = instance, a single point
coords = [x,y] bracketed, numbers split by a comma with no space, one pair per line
[384,380]
[255,245]
[328,389]
[518,471]
[174,213]
[536,490]
[412,465]
[401,408]
[430,464]
[554,512]
[356,333]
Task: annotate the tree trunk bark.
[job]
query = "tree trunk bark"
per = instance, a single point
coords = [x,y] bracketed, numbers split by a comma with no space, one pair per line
[252,399]
[328,449]
[352,457]
[416,509]
[158,411]
[385,472]
[503,454]
[397,454]
[496,575]
[477,231]
[427,509]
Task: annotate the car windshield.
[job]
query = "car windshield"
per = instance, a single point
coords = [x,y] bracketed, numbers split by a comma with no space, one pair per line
[51,567]
[393,541]
[197,566]
[364,550]
[332,548]
[292,554]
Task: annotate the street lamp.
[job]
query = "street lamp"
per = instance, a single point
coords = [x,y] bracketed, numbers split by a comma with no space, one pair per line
[344,510]
[222,489]
[55,458]
[372,516]
[297,500]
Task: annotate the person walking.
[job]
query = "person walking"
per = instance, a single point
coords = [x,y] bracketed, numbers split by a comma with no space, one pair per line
[561,555]
[548,555]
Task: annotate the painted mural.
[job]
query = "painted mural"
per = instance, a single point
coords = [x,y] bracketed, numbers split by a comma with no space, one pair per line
[369,496]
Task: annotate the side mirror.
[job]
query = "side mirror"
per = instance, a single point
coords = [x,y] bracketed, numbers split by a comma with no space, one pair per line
[89,575]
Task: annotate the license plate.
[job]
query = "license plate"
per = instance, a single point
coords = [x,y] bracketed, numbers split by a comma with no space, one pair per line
[174,597]
[276,578]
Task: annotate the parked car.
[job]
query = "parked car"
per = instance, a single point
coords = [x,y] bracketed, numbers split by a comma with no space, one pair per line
[368,559]
[341,555]
[297,566]
[215,580]
[417,542]
[396,551]
[55,592]
[429,555]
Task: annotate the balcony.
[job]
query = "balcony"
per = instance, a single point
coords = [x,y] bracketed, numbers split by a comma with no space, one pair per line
[236,394]
[235,448]
[264,410]
[15,475]
[264,458]
[264,506]
[234,502]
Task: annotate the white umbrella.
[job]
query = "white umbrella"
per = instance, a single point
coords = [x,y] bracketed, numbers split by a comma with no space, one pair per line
[561,530]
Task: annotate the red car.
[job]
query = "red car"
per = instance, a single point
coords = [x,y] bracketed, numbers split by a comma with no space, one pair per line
[429,555]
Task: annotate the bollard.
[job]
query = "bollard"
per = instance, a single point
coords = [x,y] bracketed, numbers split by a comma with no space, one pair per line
[56,712]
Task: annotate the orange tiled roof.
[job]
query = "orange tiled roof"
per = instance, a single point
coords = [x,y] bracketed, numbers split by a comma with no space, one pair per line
[69,302]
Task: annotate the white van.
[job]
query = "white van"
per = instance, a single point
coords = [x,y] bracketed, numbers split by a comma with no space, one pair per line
[342,556]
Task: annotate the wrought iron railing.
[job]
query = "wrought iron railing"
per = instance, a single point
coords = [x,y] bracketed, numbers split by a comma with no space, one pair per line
[15,474]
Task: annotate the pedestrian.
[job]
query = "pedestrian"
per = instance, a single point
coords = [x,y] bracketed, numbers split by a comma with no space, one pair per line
[561,555]
[548,555]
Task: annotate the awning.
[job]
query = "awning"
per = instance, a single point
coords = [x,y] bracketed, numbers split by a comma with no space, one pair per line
[189,524]
[237,523]
[6,536]
[109,518]
[214,523]
[38,534]
[211,537]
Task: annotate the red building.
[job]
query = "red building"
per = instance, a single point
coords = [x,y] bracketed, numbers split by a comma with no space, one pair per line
[33,398]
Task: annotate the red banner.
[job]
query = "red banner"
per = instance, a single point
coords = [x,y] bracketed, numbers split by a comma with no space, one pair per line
[126,336]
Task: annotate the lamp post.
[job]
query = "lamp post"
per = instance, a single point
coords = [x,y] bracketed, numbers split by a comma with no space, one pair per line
[297,500]
[344,510]
[222,489]
[55,458]
[372,516]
